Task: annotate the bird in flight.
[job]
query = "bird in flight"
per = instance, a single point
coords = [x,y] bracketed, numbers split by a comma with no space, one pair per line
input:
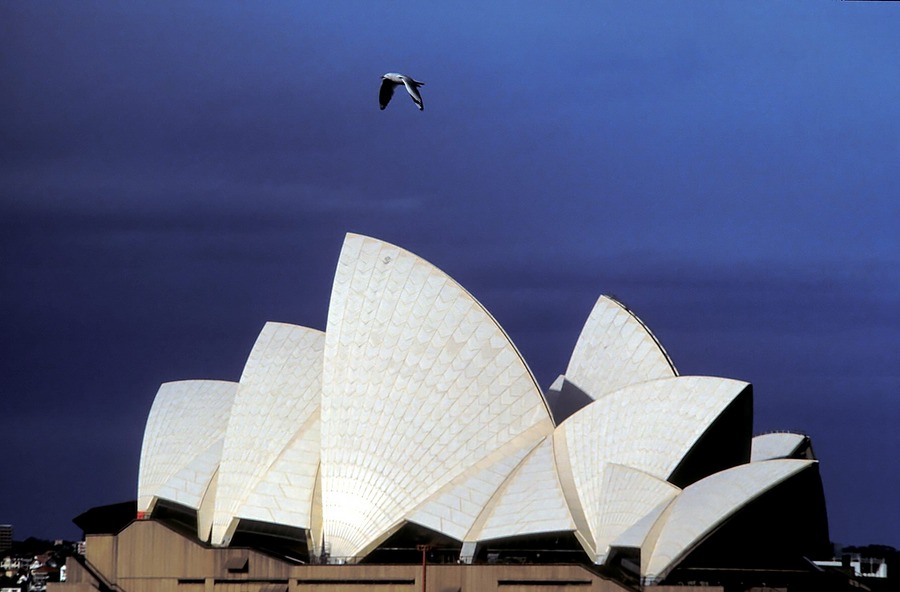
[391,80]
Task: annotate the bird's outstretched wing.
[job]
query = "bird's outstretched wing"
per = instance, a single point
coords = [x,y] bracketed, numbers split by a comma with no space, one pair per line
[412,87]
[386,92]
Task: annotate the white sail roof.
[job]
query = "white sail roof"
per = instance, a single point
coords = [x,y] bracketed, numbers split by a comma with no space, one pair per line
[420,384]
[615,349]
[529,502]
[705,505]
[284,494]
[189,485]
[775,445]
[278,396]
[183,441]
[648,426]
[619,497]
[454,509]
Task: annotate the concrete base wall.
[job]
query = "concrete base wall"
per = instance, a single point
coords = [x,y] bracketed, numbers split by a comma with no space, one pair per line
[149,557]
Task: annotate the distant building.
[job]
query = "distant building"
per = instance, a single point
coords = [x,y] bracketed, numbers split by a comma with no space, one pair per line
[44,574]
[6,537]
[412,431]
[859,565]
[11,565]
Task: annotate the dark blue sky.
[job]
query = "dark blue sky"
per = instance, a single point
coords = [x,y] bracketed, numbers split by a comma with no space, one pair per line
[173,175]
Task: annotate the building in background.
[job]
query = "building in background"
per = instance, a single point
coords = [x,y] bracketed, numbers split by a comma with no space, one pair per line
[6,537]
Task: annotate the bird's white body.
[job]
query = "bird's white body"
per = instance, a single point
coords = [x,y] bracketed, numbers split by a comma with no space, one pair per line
[391,80]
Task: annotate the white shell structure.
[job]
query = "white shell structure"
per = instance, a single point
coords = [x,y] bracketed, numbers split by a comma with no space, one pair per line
[649,426]
[420,385]
[284,494]
[776,445]
[454,510]
[615,349]
[183,441]
[274,416]
[615,455]
[624,497]
[414,409]
[530,502]
[705,505]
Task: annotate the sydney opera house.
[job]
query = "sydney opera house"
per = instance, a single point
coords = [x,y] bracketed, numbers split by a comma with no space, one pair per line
[409,447]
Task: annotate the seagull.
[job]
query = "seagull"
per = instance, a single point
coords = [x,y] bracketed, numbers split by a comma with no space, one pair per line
[392,79]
